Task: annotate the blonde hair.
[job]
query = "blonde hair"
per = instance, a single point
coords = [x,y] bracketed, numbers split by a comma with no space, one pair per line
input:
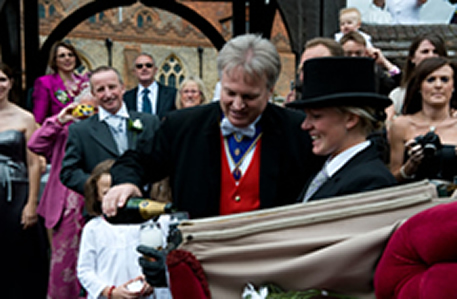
[201,87]
[369,118]
[347,10]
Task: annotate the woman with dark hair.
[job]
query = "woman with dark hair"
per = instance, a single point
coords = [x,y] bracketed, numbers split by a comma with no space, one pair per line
[423,46]
[23,252]
[423,140]
[54,91]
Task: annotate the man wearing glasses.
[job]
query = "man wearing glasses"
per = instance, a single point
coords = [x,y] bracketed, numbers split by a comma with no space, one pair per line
[149,96]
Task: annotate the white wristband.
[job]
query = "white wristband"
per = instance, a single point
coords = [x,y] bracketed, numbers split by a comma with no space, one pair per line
[404,175]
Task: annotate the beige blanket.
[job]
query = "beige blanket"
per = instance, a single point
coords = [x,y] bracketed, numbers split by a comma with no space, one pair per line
[332,244]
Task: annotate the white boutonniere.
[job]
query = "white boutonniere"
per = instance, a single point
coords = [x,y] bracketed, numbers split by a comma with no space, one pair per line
[62,96]
[251,293]
[135,125]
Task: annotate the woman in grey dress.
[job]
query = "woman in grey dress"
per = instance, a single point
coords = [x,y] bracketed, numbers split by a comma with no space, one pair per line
[23,253]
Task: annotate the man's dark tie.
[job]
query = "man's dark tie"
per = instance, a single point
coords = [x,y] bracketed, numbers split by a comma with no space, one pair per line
[146,102]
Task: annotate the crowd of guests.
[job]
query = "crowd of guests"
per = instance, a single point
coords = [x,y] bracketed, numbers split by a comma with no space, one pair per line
[351,109]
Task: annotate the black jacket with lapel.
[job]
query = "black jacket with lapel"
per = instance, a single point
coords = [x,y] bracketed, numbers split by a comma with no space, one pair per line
[363,172]
[165,99]
[188,148]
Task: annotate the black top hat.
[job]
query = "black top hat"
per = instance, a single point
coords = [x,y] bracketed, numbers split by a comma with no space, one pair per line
[339,81]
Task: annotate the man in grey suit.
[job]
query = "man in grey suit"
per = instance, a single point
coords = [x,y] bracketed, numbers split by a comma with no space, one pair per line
[105,135]
[149,96]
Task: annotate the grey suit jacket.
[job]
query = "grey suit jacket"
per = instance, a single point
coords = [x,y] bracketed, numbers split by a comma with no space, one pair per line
[165,99]
[91,142]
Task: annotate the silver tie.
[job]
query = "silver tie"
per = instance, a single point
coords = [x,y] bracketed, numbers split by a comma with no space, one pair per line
[316,183]
[120,136]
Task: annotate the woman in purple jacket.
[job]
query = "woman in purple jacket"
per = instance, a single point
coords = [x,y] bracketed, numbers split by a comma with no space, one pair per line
[60,207]
[53,92]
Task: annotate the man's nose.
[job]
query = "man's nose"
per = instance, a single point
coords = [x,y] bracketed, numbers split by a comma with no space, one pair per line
[238,102]
[107,93]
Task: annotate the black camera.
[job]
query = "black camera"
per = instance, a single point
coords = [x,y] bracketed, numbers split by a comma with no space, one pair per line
[430,143]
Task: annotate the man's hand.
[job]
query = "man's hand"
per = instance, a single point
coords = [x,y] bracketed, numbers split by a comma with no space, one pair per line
[117,196]
[153,265]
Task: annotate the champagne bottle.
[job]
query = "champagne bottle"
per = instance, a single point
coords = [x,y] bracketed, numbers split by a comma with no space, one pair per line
[138,210]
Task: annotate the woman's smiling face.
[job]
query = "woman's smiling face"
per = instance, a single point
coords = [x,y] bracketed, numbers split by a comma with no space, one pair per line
[327,128]
[65,59]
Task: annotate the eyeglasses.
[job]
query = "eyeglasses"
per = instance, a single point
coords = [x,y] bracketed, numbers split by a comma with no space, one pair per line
[63,55]
[192,91]
[140,65]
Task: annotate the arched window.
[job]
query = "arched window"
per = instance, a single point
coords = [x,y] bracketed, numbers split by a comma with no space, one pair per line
[41,11]
[171,72]
[46,8]
[139,21]
[52,9]
[97,17]
[144,18]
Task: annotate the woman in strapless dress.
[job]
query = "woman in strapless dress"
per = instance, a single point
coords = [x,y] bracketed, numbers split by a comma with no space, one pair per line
[23,252]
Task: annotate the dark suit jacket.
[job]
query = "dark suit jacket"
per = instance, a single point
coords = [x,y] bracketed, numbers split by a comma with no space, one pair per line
[364,172]
[384,83]
[91,142]
[187,147]
[165,99]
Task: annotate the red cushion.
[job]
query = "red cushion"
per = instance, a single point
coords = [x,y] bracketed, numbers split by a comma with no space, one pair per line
[420,260]
[187,279]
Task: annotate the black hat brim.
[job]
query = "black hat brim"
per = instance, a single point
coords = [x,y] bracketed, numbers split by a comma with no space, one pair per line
[355,99]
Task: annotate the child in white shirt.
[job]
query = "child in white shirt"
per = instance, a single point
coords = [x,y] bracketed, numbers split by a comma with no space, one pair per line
[108,260]
[351,20]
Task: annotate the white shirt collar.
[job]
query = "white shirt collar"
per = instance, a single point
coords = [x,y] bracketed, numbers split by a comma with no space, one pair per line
[152,88]
[103,114]
[335,164]
[251,124]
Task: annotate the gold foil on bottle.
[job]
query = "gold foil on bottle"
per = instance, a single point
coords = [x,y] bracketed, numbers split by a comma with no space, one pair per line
[148,208]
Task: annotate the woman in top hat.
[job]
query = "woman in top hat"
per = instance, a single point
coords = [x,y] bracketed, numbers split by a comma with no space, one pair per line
[339,117]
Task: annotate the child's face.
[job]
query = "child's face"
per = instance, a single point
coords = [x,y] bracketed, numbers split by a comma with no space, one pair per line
[349,22]
[103,185]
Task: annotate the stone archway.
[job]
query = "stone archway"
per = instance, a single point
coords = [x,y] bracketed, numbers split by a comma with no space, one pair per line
[91,8]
